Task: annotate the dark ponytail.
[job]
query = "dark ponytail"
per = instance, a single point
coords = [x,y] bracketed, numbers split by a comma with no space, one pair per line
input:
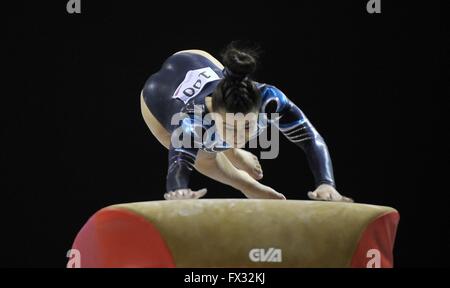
[237,93]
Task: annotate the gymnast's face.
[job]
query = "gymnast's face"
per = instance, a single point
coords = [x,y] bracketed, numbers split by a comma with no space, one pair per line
[236,128]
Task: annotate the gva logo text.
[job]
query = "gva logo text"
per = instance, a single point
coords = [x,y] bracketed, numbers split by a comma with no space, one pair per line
[269,255]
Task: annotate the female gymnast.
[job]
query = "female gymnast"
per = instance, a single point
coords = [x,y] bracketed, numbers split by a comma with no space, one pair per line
[194,78]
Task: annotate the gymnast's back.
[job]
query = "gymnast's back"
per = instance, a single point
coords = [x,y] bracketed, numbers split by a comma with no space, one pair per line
[184,80]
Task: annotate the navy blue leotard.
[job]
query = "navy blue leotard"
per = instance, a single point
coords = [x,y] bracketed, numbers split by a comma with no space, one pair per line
[183,82]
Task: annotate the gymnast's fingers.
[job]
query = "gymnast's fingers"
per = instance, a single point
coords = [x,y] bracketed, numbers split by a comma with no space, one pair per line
[200,193]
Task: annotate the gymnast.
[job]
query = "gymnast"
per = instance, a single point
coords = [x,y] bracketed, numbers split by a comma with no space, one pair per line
[194,78]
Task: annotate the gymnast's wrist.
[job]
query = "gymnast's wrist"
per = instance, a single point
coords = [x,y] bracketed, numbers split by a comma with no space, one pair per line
[326,183]
[171,187]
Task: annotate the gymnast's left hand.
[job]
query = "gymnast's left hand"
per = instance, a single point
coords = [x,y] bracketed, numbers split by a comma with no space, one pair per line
[187,193]
[327,192]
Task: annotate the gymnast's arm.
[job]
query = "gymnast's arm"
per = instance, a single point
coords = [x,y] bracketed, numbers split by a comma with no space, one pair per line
[303,134]
[182,155]
[297,128]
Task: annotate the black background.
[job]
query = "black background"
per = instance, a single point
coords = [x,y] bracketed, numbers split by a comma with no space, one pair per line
[74,140]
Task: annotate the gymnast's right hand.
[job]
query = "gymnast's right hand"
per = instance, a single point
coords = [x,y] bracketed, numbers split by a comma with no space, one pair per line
[187,193]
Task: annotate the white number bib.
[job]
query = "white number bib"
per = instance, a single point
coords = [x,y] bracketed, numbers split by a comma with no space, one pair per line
[194,82]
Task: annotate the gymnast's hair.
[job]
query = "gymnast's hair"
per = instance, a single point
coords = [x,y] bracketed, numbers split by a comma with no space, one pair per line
[236,92]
